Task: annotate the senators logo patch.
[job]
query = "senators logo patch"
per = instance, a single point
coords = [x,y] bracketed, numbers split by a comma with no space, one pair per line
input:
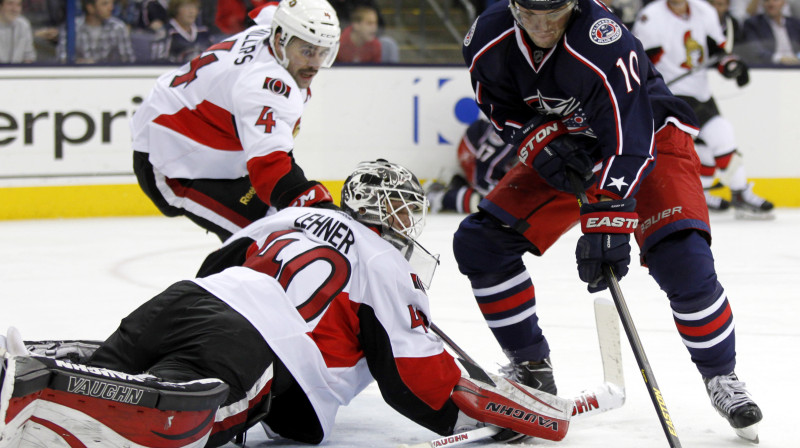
[277,86]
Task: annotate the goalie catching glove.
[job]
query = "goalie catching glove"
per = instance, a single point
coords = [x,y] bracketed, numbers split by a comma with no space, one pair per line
[546,146]
[511,405]
[607,228]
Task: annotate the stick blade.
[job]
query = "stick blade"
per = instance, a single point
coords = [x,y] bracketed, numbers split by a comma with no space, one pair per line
[607,320]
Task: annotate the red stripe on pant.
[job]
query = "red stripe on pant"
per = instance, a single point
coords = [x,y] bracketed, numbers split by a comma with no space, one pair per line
[207,202]
[231,423]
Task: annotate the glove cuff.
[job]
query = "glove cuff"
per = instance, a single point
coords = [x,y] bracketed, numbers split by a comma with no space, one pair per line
[610,217]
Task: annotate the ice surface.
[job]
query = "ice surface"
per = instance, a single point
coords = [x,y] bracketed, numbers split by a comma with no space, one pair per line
[77,278]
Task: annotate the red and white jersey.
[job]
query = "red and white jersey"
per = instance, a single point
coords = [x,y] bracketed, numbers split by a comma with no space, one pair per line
[683,41]
[339,305]
[232,103]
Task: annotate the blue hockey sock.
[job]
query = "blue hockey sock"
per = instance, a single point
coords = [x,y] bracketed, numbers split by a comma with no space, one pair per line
[683,267]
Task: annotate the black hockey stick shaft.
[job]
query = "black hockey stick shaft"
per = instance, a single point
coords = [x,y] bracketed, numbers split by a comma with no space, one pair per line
[714,60]
[473,368]
[631,333]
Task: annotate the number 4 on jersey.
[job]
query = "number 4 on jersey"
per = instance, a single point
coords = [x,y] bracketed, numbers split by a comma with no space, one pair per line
[265,119]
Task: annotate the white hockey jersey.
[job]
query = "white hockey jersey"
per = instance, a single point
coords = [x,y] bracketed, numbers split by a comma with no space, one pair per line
[232,103]
[684,43]
[339,305]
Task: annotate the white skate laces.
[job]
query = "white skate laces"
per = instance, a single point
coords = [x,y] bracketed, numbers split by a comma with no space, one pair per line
[728,393]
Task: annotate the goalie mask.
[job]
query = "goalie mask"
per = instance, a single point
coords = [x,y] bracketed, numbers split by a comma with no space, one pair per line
[313,21]
[389,197]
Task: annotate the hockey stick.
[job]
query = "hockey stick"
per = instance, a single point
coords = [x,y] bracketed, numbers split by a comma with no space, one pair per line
[714,60]
[609,395]
[630,331]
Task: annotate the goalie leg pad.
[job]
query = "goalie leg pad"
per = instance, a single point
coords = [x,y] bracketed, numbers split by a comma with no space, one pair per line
[59,403]
[514,406]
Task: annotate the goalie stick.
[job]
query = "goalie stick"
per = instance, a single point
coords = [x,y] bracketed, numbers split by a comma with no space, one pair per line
[630,330]
[609,395]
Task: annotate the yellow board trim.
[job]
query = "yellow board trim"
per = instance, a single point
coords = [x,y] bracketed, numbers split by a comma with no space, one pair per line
[81,201]
[783,192]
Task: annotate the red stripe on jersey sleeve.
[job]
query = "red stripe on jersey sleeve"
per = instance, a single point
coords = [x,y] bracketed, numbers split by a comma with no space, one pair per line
[207,124]
[266,171]
[431,378]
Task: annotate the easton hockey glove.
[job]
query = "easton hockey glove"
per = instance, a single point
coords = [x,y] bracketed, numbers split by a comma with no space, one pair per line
[546,146]
[607,228]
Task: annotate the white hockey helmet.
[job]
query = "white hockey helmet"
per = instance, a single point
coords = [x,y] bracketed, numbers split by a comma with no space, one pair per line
[387,196]
[313,21]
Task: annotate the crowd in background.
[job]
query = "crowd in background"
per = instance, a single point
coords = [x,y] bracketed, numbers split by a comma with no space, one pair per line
[763,32]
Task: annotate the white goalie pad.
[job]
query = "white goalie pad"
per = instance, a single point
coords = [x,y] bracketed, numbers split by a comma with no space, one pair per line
[54,403]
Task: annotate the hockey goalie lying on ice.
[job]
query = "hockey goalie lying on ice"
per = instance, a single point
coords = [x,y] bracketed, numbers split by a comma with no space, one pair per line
[322,303]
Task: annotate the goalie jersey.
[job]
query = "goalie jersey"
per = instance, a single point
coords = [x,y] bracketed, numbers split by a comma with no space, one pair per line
[230,105]
[353,311]
[601,83]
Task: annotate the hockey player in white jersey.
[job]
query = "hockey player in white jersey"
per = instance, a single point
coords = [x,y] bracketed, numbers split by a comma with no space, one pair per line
[323,305]
[681,37]
[213,140]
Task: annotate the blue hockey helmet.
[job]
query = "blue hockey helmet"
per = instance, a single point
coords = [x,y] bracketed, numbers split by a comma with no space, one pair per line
[540,5]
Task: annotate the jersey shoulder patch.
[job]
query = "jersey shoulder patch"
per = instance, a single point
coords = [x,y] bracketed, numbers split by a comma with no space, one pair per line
[605,31]
[468,37]
[277,86]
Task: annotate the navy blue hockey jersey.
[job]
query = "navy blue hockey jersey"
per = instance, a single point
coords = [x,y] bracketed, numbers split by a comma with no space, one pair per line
[598,78]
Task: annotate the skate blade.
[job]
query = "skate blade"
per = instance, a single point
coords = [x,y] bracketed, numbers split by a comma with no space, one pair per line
[749,433]
[753,216]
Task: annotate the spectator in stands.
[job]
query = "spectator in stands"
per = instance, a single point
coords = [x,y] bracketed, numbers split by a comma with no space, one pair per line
[16,37]
[154,16]
[45,16]
[99,36]
[129,11]
[772,37]
[185,38]
[359,42]
[730,25]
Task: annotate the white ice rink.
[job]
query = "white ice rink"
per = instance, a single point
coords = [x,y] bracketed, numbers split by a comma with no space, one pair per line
[77,278]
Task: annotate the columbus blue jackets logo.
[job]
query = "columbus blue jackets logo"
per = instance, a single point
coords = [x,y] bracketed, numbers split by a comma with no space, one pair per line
[277,86]
[605,31]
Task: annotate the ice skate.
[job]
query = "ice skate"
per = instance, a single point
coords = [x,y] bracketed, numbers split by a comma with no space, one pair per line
[748,205]
[716,203]
[535,374]
[730,398]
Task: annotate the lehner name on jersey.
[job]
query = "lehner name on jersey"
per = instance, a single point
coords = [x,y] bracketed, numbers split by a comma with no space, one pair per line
[327,228]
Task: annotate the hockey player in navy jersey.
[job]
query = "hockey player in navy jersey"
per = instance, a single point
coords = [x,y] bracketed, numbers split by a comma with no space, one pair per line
[484,159]
[324,303]
[213,140]
[573,89]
